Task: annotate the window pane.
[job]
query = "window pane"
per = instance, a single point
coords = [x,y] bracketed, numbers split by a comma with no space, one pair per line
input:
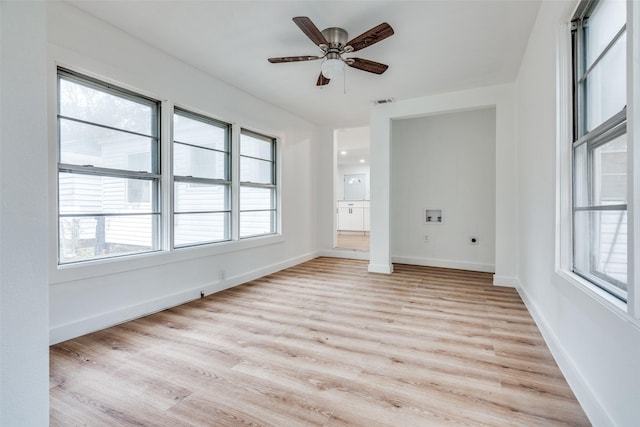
[606,85]
[252,198]
[82,144]
[195,197]
[255,147]
[257,223]
[581,177]
[610,172]
[199,162]
[197,132]
[258,171]
[601,246]
[607,172]
[96,106]
[190,229]
[83,238]
[604,23]
[88,194]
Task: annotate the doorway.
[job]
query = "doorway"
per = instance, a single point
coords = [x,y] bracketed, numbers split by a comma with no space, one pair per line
[352,189]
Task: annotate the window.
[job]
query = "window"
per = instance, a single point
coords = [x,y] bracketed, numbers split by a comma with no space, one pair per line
[257,184]
[600,145]
[202,185]
[108,170]
[111,190]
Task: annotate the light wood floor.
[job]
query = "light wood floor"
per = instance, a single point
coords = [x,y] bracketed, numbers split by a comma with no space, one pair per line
[322,343]
[358,242]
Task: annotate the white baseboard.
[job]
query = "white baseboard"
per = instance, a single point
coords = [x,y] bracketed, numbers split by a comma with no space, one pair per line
[592,407]
[381,268]
[506,281]
[344,253]
[104,320]
[444,263]
[87,325]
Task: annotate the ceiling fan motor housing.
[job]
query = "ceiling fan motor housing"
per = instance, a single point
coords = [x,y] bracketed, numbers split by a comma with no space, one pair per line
[337,37]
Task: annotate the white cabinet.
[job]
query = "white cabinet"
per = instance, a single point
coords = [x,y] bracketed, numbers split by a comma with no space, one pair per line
[353,215]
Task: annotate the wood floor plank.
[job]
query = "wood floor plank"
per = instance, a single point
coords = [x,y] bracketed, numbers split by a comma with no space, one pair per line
[323,343]
[358,242]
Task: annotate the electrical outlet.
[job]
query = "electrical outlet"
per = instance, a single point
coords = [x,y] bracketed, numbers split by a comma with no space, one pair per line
[474,241]
[426,238]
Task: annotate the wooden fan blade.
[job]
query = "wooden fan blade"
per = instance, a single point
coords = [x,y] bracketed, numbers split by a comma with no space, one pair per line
[322,80]
[366,65]
[292,59]
[370,37]
[310,30]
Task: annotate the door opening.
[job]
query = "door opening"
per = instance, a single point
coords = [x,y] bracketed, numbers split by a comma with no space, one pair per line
[352,189]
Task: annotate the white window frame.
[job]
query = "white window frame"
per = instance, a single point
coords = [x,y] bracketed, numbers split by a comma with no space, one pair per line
[564,226]
[154,176]
[225,182]
[589,141]
[273,185]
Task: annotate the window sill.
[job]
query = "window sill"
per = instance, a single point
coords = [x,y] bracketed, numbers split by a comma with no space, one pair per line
[611,303]
[103,267]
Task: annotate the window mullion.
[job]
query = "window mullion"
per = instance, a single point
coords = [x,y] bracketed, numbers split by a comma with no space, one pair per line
[236,131]
[100,125]
[114,214]
[257,185]
[200,147]
[166,167]
[608,130]
[633,179]
[607,48]
[198,180]
[94,170]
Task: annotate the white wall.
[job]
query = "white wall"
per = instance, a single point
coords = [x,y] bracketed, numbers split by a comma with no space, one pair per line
[596,345]
[327,189]
[501,98]
[88,297]
[24,334]
[448,162]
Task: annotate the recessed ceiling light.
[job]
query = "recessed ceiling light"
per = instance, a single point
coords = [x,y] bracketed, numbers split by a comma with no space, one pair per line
[344,153]
[361,160]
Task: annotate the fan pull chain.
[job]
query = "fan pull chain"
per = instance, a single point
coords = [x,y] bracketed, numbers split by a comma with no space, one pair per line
[344,79]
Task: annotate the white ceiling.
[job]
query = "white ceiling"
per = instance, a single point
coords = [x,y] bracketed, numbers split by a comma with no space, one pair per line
[438,46]
[354,143]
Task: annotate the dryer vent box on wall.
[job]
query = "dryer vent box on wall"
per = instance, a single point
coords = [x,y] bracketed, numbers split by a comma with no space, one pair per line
[433,216]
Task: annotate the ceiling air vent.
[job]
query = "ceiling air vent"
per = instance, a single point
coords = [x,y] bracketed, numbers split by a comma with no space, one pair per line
[383,101]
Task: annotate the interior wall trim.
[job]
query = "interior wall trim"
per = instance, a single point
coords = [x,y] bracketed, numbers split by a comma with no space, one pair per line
[445,263]
[506,281]
[344,253]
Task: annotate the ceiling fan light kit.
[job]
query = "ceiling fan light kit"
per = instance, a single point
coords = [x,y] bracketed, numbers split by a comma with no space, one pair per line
[333,44]
[332,67]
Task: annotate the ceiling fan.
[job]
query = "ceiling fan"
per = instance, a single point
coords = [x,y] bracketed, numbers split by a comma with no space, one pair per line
[333,44]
